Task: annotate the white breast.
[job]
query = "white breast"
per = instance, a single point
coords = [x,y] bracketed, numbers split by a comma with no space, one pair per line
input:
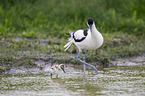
[93,41]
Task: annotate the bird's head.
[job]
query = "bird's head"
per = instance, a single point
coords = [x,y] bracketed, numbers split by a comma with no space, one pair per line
[62,67]
[90,22]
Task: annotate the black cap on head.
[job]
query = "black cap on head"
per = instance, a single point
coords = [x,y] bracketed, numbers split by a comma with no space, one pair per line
[90,21]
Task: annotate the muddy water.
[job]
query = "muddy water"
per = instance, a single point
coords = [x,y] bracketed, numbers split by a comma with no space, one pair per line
[126,78]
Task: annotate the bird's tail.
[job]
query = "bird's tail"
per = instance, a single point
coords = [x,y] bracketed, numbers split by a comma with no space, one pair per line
[71,40]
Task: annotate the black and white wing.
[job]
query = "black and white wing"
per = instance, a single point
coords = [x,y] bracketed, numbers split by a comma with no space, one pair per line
[77,36]
[80,35]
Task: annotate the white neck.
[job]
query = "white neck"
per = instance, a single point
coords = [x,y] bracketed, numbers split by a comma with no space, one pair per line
[96,35]
[94,31]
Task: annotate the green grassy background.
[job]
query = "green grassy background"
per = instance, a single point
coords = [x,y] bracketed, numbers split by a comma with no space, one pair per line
[43,18]
[121,22]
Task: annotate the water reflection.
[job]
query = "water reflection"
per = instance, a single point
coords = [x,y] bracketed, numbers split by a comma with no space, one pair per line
[115,80]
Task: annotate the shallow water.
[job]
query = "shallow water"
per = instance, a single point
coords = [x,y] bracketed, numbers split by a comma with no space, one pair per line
[126,78]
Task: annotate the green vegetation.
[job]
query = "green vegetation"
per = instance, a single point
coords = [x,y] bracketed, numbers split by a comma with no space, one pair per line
[49,17]
[122,24]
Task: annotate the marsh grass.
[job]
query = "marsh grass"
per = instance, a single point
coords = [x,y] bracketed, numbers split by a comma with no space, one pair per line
[26,52]
[40,19]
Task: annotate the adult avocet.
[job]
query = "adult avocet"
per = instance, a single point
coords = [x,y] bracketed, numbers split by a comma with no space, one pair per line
[56,69]
[86,39]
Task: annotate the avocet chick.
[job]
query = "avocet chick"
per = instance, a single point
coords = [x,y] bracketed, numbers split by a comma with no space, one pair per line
[56,69]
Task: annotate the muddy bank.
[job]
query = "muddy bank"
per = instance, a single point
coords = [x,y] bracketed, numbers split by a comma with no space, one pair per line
[41,65]
[132,61]
[18,53]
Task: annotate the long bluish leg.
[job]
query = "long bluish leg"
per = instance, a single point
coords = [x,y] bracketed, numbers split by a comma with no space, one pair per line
[87,63]
[80,61]
[85,55]
[84,60]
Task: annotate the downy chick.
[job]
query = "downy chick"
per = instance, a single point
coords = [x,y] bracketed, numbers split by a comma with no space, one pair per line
[56,69]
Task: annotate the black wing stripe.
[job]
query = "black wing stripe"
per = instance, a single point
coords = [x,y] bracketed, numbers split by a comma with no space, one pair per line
[85,34]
